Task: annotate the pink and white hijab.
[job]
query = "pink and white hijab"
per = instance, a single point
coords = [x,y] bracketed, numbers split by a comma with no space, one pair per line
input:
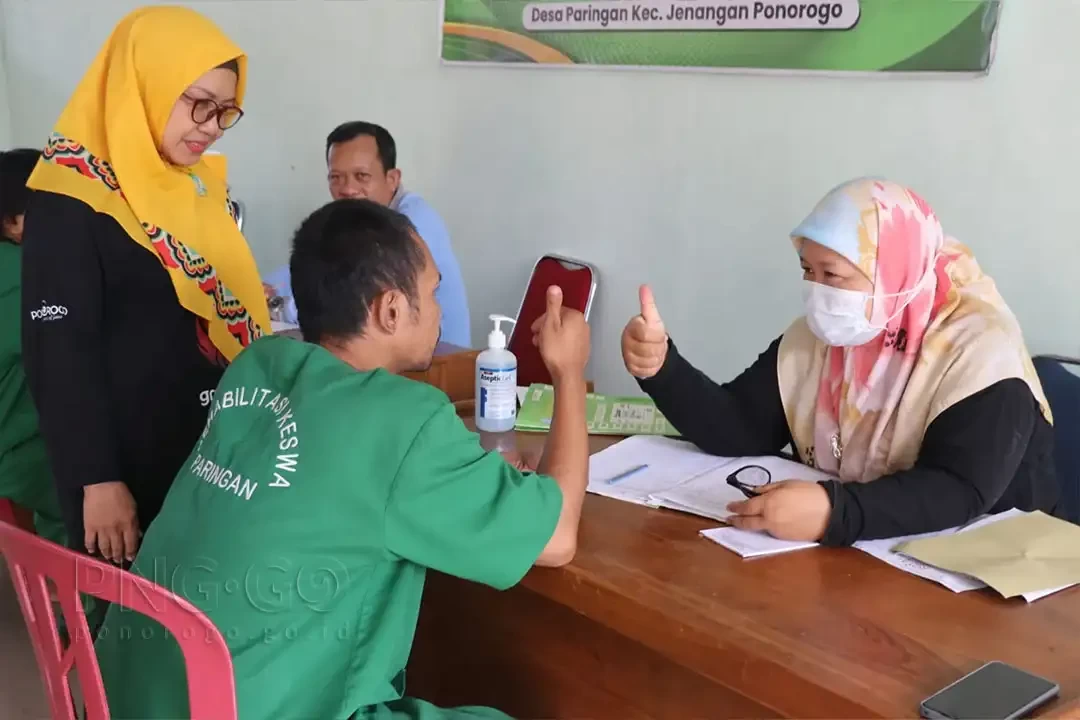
[861,412]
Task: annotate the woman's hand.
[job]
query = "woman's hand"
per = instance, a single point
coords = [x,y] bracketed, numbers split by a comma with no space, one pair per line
[644,340]
[110,521]
[269,291]
[788,510]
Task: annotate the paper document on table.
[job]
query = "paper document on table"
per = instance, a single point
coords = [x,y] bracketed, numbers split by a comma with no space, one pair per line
[749,544]
[639,467]
[708,494]
[884,550]
[1026,553]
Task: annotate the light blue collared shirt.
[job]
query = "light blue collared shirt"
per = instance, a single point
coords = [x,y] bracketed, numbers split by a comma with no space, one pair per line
[451,293]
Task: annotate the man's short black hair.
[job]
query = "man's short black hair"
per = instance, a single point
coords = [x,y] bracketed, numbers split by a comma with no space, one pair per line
[344,255]
[15,169]
[384,141]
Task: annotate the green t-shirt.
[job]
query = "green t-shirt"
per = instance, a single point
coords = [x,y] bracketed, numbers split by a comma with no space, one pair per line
[24,466]
[303,524]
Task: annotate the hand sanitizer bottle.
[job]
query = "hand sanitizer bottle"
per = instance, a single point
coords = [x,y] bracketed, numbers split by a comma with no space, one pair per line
[496,383]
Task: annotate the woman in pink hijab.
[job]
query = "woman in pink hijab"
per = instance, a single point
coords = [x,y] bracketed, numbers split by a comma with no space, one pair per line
[906,379]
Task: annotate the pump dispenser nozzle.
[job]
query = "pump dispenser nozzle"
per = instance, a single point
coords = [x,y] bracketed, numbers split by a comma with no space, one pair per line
[497,338]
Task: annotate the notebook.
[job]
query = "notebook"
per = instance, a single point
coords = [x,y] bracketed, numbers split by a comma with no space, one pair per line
[751,544]
[708,494]
[674,474]
[668,462]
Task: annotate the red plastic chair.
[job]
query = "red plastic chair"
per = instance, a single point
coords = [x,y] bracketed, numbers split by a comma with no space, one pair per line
[33,562]
[578,281]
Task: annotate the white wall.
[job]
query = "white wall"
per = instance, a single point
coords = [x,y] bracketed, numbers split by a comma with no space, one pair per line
[689,181]
[5,114]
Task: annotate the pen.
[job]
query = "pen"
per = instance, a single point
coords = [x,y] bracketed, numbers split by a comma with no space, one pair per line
[624,475]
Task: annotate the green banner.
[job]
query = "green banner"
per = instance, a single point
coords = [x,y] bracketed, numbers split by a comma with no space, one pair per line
[792,35]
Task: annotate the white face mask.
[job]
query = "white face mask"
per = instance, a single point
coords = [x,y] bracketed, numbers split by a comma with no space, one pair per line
[838,316]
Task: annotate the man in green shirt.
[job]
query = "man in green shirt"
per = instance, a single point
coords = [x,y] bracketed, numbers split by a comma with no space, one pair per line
[24,467]
[326,484]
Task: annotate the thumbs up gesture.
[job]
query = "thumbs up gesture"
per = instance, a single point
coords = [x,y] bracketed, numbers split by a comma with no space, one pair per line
[644,340]
[562,335]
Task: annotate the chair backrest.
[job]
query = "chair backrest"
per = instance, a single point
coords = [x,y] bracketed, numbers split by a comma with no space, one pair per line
[1062,390]
[34,563]
[578,281]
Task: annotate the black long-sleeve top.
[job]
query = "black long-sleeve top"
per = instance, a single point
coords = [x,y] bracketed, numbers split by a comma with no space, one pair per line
[989,452]
[120,372]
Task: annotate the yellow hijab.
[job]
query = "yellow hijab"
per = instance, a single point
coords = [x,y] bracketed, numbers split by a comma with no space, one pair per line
[104,152]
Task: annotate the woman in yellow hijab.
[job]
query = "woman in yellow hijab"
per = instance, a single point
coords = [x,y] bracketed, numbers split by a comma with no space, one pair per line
[138,287]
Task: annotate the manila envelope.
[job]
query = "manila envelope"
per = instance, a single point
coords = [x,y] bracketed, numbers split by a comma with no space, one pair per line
[1014,556]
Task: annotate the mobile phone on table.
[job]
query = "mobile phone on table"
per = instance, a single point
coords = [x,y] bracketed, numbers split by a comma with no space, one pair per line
[996,691]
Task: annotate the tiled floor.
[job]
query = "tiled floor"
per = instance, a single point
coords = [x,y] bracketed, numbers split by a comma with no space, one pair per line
[21,693]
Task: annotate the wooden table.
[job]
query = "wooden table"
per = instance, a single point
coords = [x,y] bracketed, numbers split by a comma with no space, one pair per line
[652,620]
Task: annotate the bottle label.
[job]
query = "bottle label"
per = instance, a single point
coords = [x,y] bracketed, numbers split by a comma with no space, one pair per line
[498,393]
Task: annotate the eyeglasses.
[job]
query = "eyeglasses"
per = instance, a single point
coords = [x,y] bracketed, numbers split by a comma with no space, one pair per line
[749,480]
[204,109]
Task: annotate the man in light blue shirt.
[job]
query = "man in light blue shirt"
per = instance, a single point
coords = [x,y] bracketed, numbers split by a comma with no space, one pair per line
[362,161]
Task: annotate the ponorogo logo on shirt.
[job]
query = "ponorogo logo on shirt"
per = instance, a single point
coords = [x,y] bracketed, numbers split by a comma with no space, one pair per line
[48,312]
